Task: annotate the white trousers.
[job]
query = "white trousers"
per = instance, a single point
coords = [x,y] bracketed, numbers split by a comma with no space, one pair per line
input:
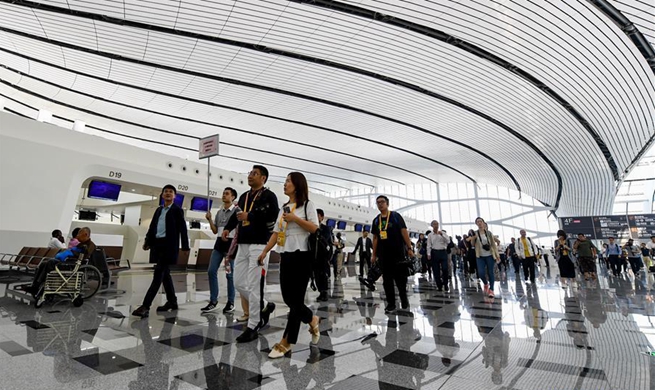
[249,280]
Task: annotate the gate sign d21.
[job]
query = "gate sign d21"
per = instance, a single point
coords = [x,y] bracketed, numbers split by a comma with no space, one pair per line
[208,147]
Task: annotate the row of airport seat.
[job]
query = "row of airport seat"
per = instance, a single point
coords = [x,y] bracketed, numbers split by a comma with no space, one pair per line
[29,258]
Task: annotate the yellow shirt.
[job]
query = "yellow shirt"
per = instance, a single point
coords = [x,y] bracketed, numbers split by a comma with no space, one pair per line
[526,249]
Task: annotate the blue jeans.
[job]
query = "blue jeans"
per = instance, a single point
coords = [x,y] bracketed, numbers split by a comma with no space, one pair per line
[214,265]
[486,270]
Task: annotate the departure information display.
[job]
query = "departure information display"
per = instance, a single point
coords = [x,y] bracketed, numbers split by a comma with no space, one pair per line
[607,226]
[601,227]
[642,225]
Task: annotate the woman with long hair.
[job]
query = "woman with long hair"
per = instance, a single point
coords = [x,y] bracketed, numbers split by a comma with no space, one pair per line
[296,221]
[486,253]
[422,250]
[563,256]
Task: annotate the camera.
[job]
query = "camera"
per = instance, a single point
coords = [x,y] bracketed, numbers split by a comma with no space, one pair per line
[486,247]
[287,210]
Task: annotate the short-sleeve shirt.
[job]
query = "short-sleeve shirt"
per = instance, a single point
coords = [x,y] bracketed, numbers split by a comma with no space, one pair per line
[584,248]
[220,220]
[296,238]
[393,248]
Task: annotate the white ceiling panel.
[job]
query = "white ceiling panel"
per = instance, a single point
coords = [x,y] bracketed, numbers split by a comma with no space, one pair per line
[510,93]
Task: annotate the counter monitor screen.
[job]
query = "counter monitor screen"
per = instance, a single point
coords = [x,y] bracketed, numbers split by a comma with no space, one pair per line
[179,200]
[359,227]
[341,225]
[103,190]
[331,223]
[200,204]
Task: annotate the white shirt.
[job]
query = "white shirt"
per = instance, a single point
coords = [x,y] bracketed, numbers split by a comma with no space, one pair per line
[650,245]
[55,243]
[296,237]
[437,242]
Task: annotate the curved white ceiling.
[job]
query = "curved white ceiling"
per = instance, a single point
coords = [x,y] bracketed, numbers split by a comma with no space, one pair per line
[549,97]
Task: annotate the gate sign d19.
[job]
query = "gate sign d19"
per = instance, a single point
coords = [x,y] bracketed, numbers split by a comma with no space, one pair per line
[208,147]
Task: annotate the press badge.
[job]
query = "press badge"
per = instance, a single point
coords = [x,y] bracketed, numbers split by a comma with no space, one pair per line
[383,235]
[281,238]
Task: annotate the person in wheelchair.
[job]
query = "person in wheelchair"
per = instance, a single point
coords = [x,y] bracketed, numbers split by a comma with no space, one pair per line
[85,246]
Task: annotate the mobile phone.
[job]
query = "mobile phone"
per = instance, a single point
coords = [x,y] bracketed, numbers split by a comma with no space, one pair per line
[287,210]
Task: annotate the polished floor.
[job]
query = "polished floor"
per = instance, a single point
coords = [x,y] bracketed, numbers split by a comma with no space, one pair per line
[594,335]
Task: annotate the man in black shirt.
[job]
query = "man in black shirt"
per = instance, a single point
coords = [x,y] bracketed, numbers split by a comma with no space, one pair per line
[322,269]
[365,246]
[511,254]
[255,223]
[390,244]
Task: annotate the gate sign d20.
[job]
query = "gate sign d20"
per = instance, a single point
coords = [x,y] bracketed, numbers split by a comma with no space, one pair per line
[208,147]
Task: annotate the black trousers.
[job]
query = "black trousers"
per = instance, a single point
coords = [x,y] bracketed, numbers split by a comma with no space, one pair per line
[394,272]
[295,268]
[546,260]
[364,257]
[321,275]
[162,276]
[528,267]
[615,263]
[439,260]
[42,272]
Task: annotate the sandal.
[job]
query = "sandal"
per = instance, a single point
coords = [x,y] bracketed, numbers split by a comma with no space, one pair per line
[279,351]
[314,330]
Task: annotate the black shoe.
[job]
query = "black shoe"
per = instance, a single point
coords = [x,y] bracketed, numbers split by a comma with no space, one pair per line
[168,306]
[390,310]
[266,314]
[206,309]
[446,288]
[229,308]
[322,297]
[248,335]
[439,288]
[141,311]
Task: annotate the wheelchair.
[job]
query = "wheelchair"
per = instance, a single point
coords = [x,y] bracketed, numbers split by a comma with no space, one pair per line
[75,281]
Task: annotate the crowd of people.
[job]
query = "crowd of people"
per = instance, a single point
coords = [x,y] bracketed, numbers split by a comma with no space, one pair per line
[249,228]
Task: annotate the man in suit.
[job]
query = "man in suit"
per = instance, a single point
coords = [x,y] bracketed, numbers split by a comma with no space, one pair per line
[365,246]
[163,241]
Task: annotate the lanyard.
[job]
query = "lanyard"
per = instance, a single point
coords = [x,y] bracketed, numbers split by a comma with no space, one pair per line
[245,206]
[386,225]
[286,223]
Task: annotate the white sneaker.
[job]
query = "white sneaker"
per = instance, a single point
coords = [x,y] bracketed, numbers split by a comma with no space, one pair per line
[243,318]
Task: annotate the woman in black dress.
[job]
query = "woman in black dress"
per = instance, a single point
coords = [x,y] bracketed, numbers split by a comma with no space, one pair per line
[563,257]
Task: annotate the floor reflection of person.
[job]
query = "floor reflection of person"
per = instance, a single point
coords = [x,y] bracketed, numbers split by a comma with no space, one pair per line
[443,328]
[317,367]
[154,374]
[594,306]
[495,352]
[535,317]
[399,338]
[218,376]
[365,304]
[575,322]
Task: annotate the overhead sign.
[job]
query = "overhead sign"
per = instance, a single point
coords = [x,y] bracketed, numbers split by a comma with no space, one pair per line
[601,227]
[607,226]
[574,225]
[642,225]
[208,147]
